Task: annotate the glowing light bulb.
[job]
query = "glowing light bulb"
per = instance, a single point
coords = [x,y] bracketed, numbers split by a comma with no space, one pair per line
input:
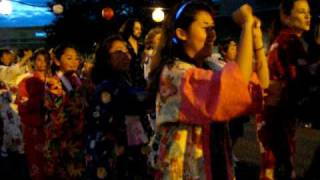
[158,15]
[5,7]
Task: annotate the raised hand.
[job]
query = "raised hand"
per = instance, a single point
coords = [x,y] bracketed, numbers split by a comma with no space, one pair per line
[243,15]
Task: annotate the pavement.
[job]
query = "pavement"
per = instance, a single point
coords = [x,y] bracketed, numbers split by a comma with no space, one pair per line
[246,150]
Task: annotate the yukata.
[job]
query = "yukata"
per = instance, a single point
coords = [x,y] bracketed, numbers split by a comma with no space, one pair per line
[188,101]
[11,130]
[115,131]
[276,125]
[64,148]
[223,133]
[32,113]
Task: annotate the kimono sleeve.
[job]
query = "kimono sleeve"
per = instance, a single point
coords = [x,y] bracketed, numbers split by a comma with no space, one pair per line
[292,55]
[30,103]
[207,96]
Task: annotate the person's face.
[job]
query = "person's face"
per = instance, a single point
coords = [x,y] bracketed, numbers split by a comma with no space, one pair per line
[40,63]
[137,29]
[200,36]
[231,53]
[119,56]
[69,61]
[154,45]
[7,59]
[300,17]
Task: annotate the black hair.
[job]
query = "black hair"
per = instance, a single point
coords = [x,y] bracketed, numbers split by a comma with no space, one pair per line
[102,69]
[224,44]
[126,30]
[41,51]
[286,7]
[2,52]
[21,51]
[60,49]
[170,46]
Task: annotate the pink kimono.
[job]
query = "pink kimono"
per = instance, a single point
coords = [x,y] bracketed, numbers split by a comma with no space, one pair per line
[189,100]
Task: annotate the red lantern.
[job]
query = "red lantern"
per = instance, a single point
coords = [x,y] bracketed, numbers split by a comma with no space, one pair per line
[107,13]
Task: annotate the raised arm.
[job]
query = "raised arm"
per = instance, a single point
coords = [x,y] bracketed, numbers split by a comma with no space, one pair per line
[26,57]
[261,59]
[244,17]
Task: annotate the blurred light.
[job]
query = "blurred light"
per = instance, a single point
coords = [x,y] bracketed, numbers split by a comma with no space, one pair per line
[57,8]
[5,7]
[107,13]
[158,15]
[40,34]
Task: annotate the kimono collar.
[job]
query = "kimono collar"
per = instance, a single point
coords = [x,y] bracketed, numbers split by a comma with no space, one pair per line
[66,82]
[287,32]
[185,58]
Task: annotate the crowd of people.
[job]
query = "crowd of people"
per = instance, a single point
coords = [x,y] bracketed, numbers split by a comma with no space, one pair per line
[167,108]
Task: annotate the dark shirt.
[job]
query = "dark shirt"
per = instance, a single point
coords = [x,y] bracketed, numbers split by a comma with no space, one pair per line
[136,69]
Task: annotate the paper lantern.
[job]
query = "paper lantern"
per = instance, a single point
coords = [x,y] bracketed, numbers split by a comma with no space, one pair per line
[57,8]
[107,13]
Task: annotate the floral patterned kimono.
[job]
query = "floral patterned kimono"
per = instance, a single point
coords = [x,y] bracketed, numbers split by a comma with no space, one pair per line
[115,131]
[30,105]
[65,102]
[189,100]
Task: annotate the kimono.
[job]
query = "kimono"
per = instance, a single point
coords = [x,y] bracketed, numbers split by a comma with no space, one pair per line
[65,104]
[115,131]
[223,134]
[276,125]
[30,106]
[11,130]
[188,101]
[12,138]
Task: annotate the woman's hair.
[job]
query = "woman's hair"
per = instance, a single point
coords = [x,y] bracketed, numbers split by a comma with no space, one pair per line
[102,69]
[41,51]
[59,50]
[224,44]
[286,7]
[150,36]
[2,52]
[126,30]
[170,46]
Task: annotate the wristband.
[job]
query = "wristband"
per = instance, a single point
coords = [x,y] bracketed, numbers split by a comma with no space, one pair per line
[258,48]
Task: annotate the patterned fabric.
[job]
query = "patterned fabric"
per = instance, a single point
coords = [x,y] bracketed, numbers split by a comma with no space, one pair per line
[10,74]
[276,125]
[287,59]
[65,103]
[31,110]
[185,110]
[12,138]
[116,131]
